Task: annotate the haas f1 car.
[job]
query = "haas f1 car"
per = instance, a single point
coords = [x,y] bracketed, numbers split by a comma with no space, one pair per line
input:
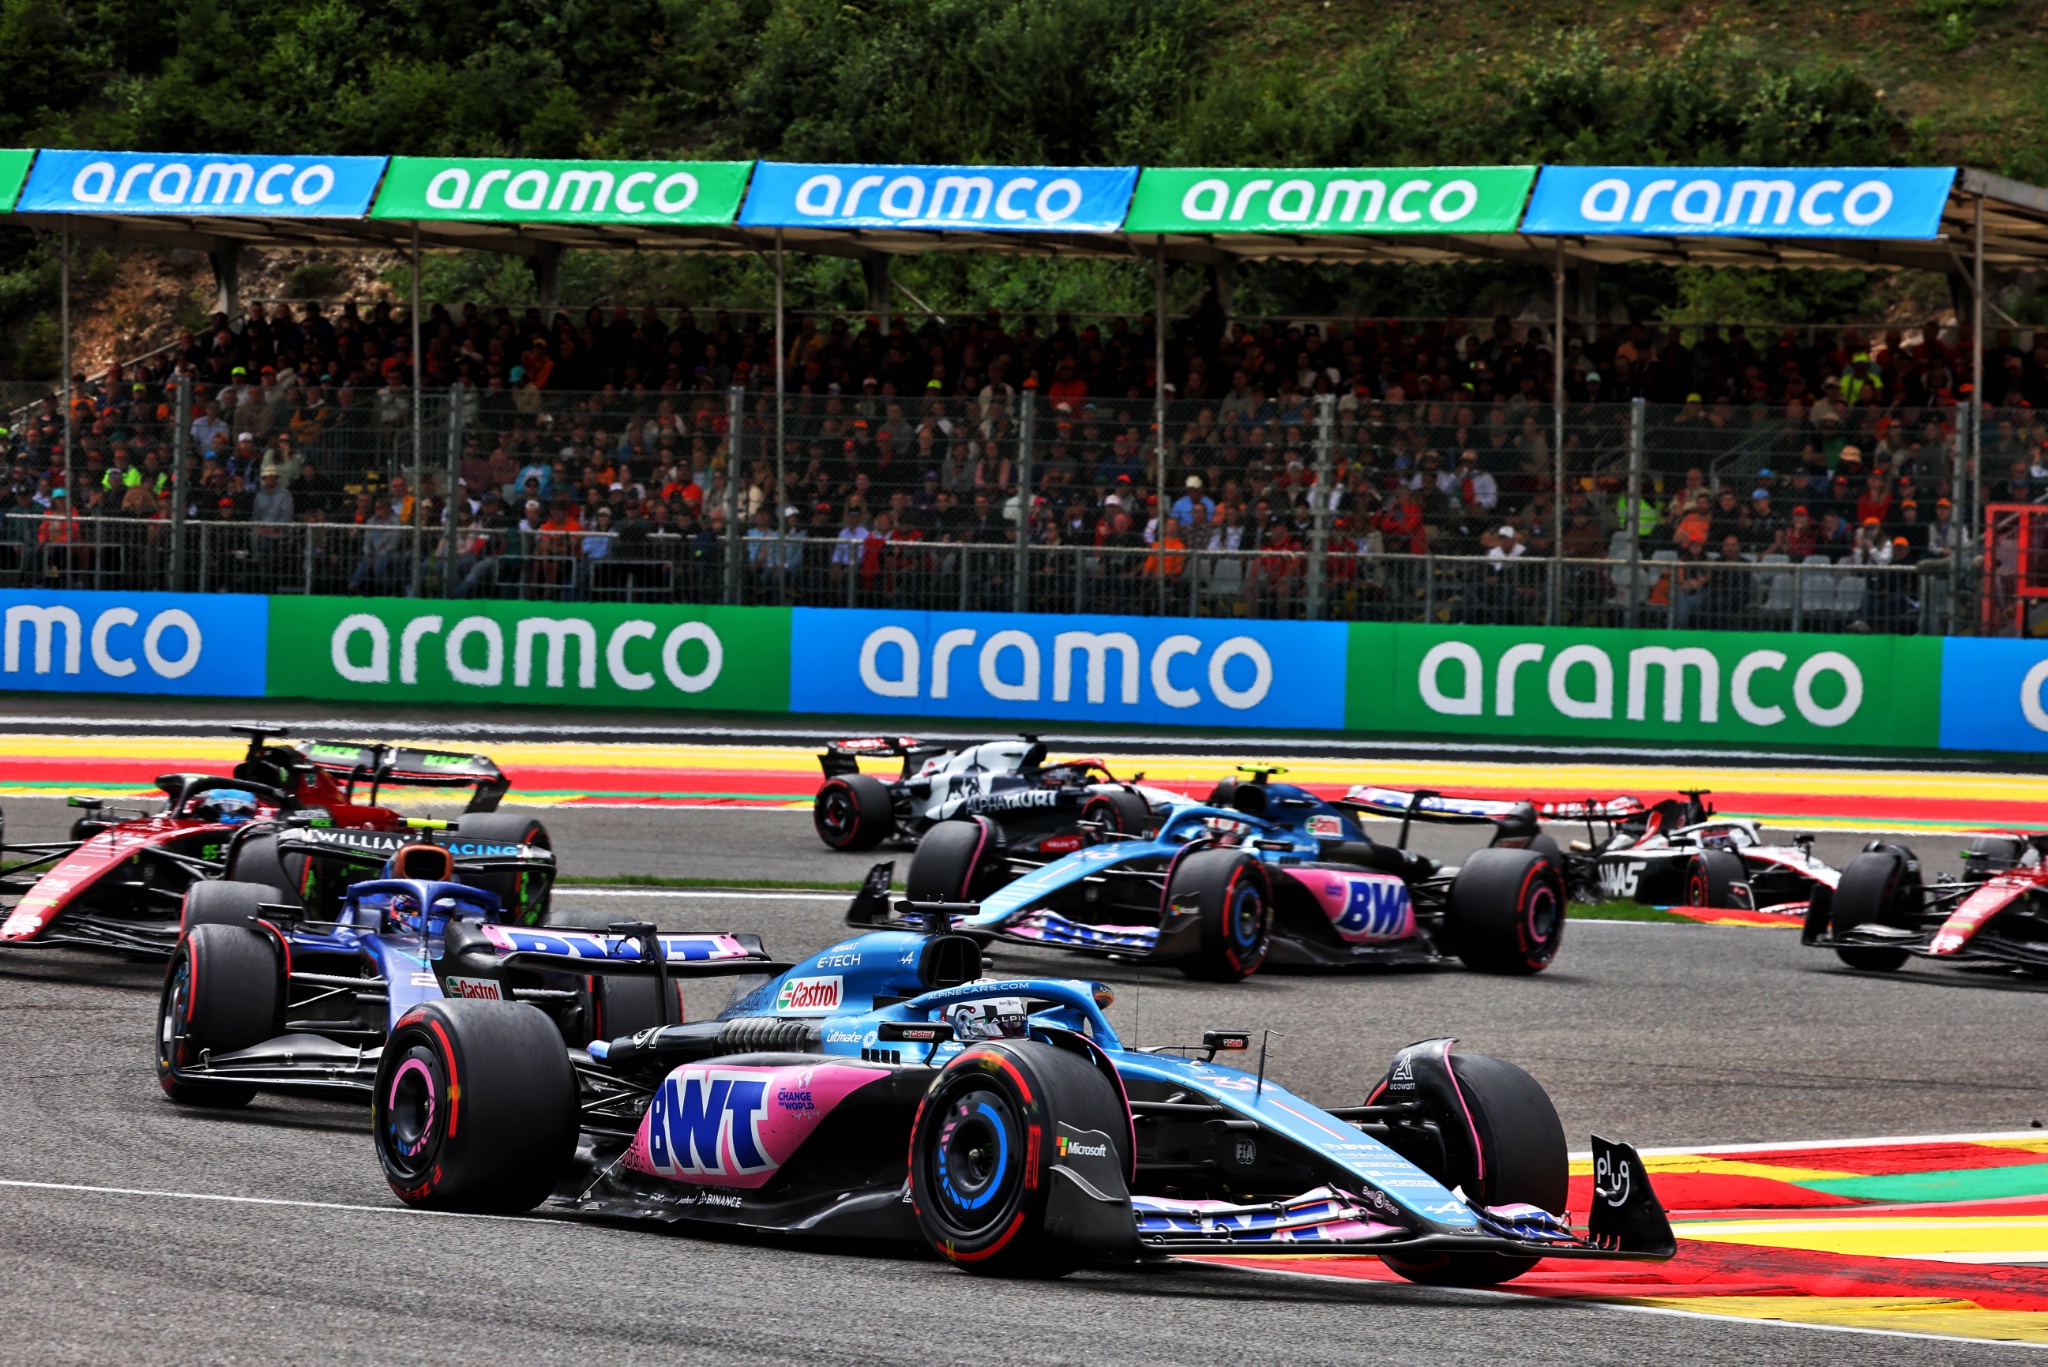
[1007,781]
[1884,912]
[1676,852]
[268,993]
[884,1090]
[298,818]
[1259,873]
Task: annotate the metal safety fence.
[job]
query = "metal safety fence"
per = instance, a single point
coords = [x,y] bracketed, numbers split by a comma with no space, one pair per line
[1316,506]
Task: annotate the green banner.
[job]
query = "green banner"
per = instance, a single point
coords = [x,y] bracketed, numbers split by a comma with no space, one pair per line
[14,164]
[1418,199]
[1540,683]
[498,190]
[578,654]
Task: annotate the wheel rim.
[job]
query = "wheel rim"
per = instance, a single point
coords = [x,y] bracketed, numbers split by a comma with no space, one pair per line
[170,1037]
[835,815]
[1247,918]
[413,1113]
[1696,887]
[975,1161]
[1544,917]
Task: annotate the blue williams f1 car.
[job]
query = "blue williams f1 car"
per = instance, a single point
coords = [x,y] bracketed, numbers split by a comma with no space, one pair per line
[267,993]
[882,1089]
[1259,873]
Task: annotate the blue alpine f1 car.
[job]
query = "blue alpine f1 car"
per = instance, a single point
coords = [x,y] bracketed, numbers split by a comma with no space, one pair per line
[1258,873]
[883,1089]
[266,992]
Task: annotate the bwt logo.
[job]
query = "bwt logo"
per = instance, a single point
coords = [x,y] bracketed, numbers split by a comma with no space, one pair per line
[707,1122]
[1751,202]
[1010,666]
[474,652]
[962,198]
[1580,683]
[53,628]
[212,182]
[1375,909]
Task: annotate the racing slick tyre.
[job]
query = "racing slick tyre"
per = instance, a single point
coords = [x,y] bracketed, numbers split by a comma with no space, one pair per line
[475,1107]
[952,862]
[256,860]
[86,827]
[524,900]
[1521,1158]
[221,994]
[618,1006]
[995,1113]
[1717,878]
[1869,893]
[1120,812]
[1229,891]
[853,812]
[1551,851]
[229,904]
[1506,912]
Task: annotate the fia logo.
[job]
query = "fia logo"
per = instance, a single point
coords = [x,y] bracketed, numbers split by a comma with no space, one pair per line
[1612,1180]
[1247,1153]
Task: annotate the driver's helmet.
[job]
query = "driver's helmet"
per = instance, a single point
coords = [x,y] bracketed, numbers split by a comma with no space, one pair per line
[227,806]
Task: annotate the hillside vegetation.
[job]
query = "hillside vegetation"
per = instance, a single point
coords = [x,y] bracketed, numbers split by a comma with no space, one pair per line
[1049,81]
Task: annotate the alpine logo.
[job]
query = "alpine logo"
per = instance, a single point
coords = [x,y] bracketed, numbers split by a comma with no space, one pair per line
[707,1121]
[809,996]
[1403,1076]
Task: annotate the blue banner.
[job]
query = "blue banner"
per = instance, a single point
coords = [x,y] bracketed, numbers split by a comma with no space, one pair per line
[1059,199]
[1994,694]
[1740,201]
[1044,667]
[207,645]
[181,183]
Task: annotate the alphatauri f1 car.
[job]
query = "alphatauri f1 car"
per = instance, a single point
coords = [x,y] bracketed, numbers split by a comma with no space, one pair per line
[285,816]
[269,992]
[1259,873]
[1009,781]
[1884,911]
[883,1089]
[1675,852]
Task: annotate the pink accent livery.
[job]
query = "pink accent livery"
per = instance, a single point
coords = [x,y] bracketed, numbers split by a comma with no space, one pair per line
[736,1126]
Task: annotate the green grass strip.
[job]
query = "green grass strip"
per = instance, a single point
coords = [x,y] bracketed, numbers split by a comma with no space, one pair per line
[648,880]
[1625,910]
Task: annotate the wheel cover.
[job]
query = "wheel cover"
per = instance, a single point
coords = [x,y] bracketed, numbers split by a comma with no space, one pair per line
[835,815]
[413,1112]
[1696,886]
[1543,915]
[1245,918]
[975,1163]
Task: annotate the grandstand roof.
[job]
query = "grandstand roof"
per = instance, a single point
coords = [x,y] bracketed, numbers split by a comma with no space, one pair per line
[2015,236]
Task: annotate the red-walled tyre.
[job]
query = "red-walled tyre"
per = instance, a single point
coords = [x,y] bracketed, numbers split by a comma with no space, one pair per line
[221,994]
[853,812]
[1506,912]
[1229,891]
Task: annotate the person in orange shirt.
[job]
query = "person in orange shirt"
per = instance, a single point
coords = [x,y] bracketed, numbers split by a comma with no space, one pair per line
[1169,553]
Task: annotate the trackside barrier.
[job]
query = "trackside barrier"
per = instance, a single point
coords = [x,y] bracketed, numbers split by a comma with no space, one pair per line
[1843,691]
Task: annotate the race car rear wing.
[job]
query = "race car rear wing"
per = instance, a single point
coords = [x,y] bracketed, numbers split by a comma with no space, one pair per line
[1423,805]
[843,756]
[412,767]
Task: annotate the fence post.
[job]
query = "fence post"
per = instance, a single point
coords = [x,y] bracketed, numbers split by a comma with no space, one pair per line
[1319,510]
[306,554]
[1027,420]
[1798,598]
[735,419]
[1428,586]
[453,482]
[181,438]
[1638,412]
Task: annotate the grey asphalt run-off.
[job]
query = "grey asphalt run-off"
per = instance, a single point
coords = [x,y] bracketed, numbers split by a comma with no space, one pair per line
[1659,1034]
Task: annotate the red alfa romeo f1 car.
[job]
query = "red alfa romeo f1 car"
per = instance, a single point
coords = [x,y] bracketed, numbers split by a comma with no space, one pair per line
[120,881]
[1884,912]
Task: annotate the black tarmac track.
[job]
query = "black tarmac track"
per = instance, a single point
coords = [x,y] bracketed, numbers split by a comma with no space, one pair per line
[131,1230]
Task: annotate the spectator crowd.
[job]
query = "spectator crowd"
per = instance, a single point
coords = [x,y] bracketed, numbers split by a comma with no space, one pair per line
[593,442]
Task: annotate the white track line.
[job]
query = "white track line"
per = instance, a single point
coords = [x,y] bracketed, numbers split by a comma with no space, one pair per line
[1644,1309]
[267,1201]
